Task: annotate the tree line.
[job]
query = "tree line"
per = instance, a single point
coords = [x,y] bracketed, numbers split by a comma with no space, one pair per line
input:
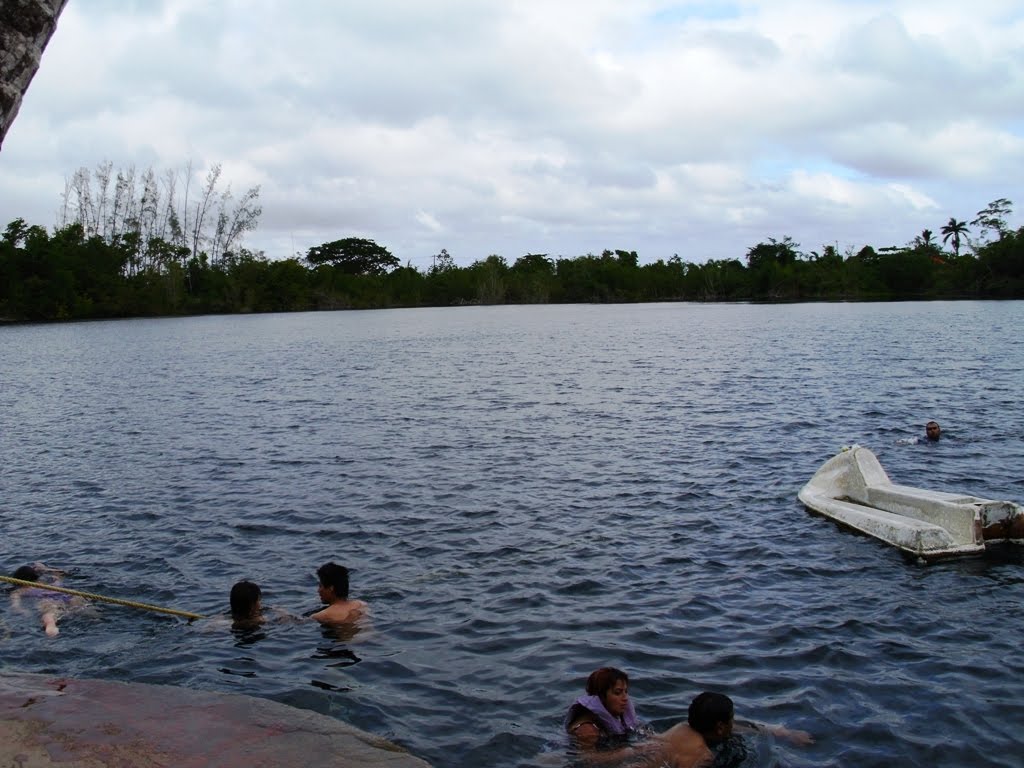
[132,245]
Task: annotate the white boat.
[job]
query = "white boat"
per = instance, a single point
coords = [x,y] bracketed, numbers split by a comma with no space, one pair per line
[853,489]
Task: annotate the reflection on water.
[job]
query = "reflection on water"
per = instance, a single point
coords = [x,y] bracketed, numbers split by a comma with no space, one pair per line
[524,494]
[246,673]
[247,635]
[341,657]
[1000,563]
[344,633]
[328,686]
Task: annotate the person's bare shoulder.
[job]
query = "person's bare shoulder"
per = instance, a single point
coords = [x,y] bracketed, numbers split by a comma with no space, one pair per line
[338,613]
[685,748]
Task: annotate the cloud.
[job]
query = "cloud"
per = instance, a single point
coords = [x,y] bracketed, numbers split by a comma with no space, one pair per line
[484,127]
[429,221]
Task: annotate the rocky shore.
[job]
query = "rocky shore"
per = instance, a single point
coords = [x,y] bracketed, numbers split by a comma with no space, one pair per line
[53,721]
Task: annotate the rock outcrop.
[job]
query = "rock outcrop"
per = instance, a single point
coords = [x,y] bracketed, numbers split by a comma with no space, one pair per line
[68,723]
[25,28]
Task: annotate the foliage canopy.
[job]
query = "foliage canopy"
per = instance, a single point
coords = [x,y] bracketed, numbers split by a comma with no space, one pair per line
[354,256]
[80,271]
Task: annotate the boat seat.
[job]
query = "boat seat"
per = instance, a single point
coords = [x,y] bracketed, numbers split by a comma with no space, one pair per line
[910,534]
[943,509]
[903,521]
[911,494]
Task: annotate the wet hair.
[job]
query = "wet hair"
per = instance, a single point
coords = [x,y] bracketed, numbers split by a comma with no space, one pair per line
[707,710]
[26,573]
[604,679]
[245,596]
[336,577]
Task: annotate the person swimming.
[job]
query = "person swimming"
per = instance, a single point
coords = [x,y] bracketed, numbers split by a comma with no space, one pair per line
[247,611]
[603,725]
[245,598]
[710,722]
[932,434]
[333,592]
[51,604]
[604,721]
[605,715]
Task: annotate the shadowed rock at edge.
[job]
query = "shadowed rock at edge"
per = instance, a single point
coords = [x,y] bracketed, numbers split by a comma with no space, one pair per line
[53,721]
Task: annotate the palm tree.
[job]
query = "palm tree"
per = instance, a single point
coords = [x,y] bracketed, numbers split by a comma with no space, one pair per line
[954,229]
[924,240]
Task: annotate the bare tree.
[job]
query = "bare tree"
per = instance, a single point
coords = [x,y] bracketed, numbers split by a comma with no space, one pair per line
[102,199]
[78,206]
[179,231]
[149,204]
[231,227]
[145,215]
[168,218]
[203,207]
[123,213]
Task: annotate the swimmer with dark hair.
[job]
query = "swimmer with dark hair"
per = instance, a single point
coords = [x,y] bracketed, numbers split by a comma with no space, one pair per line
[333,591]
[711,720]
[603,724]
[248,610]
[246,607]
[50,603]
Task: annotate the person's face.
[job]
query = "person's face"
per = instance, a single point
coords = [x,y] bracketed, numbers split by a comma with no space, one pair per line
[616,698]
[932,430]
[326,593]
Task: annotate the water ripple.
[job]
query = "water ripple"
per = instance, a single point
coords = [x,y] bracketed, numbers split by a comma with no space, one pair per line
[524,494]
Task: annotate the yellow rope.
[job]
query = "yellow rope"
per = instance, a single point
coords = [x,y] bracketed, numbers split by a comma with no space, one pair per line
[91,596]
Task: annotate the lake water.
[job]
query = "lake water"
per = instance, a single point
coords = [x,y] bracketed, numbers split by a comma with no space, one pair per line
[524,494]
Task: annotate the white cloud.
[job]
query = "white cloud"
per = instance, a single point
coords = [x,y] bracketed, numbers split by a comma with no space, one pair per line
[480,126]
[902,194]
[429,221]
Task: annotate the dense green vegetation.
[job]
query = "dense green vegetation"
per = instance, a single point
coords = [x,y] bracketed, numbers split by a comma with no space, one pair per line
[105,267]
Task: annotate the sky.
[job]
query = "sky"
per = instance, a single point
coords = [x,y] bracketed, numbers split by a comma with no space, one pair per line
[696,129]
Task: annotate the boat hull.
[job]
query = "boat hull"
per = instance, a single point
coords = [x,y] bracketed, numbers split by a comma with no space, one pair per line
[853,489]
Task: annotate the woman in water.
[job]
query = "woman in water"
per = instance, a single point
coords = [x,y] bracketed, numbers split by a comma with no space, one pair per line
[50,603]
[604,718]
[248,611]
